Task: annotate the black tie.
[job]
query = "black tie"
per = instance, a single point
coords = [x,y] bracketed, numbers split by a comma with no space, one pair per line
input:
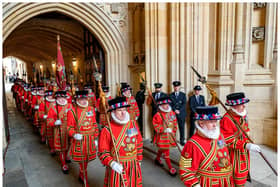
[157,96]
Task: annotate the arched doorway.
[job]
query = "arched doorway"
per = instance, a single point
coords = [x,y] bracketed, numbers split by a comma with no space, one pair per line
[90,16]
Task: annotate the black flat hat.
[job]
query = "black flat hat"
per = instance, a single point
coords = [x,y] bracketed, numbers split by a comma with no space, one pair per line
[237,98]
[81,94]
[176,83]
[60,93]
[207,113]
[118,102]
[157,85]
[197,87]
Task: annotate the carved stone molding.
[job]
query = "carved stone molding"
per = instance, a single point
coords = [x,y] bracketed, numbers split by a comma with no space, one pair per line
[259,5]
[118,12]
[258,33]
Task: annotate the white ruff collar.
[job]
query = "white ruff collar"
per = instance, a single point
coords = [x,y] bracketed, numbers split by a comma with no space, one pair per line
[128,96]
[41,94]
[107,94]
[211,134]
[50,100]
[83,106]
[123,122]
[33,93]
[162,109]
[242,114]
[63,103]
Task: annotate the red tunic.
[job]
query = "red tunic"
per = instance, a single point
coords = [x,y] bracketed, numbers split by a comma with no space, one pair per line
[129,144]
[86,126]
[22,101]
[26,94]
[30,104]
[236,141]
[133,110]
[41,113]
[36,101]
[206,161]
[102,112]
[60,131]
[162,139]
[49,122]
[69,99]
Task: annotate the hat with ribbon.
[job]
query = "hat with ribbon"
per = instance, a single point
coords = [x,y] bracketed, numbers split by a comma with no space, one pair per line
[118,102]
[207,113]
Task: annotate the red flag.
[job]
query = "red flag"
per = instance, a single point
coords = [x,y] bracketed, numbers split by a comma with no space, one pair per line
[60,68]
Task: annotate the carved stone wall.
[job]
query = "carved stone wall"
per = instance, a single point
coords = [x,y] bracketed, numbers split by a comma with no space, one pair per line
[216,38]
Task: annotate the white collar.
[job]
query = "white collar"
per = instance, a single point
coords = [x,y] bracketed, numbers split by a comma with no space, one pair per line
[62,104]
[50,100]
[242,114]
[128,96]
[123,122]
[162,109]
[41,94]
[33,93]
[107,94]
[82,106]
[209,134]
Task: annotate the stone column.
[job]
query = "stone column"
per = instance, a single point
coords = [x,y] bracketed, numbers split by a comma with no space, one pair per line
[238,64]
[274,62]
[156,64]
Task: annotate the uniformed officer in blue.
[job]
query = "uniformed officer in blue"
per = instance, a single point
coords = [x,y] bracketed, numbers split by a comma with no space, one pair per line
[178,105]
[195,101]
[156,95]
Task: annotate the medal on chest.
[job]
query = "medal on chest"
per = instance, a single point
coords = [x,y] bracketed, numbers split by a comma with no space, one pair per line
[129,143]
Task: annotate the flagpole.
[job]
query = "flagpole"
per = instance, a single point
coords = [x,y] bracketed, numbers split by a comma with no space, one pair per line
[102,101]
[58,84]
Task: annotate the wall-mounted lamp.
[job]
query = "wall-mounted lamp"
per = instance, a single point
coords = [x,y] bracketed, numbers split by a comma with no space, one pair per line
[53,65]
[74,62]
[41,66]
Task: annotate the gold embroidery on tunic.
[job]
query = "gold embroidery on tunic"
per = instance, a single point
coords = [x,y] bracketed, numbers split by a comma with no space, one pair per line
[185,162]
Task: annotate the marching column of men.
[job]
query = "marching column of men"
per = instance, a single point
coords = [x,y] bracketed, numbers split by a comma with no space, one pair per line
[216,155]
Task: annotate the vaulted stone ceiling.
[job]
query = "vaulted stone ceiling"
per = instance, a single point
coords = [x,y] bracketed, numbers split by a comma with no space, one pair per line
[36,39]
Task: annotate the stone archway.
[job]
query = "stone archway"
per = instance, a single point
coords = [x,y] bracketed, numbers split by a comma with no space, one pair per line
[88,14]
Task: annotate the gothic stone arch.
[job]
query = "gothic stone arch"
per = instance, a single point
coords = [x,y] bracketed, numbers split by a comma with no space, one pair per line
[92,17]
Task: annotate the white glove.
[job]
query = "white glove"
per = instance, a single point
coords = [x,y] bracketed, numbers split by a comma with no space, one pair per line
[22,97]
[26,100]
[197,185]
[45,116]
[117,167]
[36,107]
[58,122]
[168,130]
[253,147]
[78,136]
[136,118]
[96,143]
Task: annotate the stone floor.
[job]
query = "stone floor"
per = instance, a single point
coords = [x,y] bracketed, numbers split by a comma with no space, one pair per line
[28,163]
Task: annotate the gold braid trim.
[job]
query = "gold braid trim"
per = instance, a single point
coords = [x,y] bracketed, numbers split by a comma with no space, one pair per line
[185,162]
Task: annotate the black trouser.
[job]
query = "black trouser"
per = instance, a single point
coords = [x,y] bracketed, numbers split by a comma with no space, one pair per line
[192,127]
[181,124]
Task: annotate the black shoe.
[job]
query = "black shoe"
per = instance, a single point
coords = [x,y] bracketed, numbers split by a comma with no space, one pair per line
[65,169]
[53,153]
[158,162]
[81,180]
[68,160]
[173,172]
